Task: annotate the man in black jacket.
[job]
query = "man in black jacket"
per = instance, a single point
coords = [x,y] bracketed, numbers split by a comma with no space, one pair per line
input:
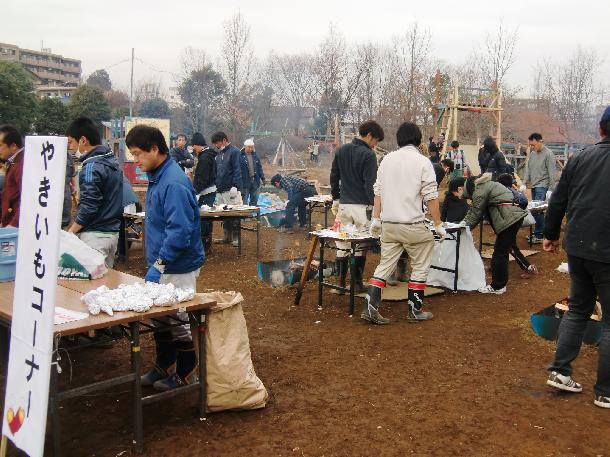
[180,154]
[100,207]
[204,183]
[582,194]
[353,173]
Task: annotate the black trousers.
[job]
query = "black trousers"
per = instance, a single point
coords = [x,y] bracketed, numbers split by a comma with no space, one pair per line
[505,240]
[589,280]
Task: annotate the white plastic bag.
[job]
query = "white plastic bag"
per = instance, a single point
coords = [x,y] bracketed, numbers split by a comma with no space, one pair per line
[77,260]
[529,220]
[471,271]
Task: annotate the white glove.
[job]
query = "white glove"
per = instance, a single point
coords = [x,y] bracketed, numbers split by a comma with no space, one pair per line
[233,192]
[548,195]
[335,207]
[375,229]
[522,188]
[440,231]
[462,224]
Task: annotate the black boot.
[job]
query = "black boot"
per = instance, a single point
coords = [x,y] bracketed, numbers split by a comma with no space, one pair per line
[358,265]
[416,303]
[373,300]
[341,264]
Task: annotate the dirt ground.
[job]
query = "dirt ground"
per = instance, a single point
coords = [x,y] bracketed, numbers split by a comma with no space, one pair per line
[471,382]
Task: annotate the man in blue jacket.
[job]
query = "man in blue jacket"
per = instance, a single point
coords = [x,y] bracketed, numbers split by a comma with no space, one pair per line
[174,251]
[252,174]
[228,181]
[100,208]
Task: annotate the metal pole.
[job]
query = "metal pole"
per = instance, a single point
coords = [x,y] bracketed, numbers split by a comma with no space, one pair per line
[131,87]
[136,366]
[3,445]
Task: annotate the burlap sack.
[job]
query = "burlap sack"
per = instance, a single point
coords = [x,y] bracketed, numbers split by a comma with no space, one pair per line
[232,381]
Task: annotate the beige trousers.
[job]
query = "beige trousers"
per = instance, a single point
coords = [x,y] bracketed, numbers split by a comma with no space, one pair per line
[351,214]
[105,243]
[415,239]
[181,281]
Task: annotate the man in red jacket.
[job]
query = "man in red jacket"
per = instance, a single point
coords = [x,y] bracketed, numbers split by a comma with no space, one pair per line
[11,152]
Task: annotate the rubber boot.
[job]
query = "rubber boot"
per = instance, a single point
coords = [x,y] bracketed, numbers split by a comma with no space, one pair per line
[373,300]
[341,264]
[358,265]
[416,303]
[401,270]
[235,235]
[165,349]
[186,361]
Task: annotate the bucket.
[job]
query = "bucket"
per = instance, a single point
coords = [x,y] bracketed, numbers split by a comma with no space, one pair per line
[280,273]
[545,323]
[8,253]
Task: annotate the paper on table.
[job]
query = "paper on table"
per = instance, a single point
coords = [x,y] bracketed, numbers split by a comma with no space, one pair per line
[63,315]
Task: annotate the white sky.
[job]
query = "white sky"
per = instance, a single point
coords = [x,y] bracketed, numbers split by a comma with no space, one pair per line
[102,33]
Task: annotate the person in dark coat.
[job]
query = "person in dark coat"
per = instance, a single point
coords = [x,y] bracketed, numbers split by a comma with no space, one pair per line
[582,194]
[180,154]
[252,174]
[454,207]
[491,159]
[100,207]
[228,181]
[204,183]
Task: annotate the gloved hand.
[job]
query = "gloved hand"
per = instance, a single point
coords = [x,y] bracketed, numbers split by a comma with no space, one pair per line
[462,224]
[440,231]
[522,188]
[375,229]
[233,192]
[335,207]
[548,195]
[152,275]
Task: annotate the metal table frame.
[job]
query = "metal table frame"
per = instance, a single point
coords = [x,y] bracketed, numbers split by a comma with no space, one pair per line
[198,318]
[312,205]
[358,245]
[219,216]
[454,234]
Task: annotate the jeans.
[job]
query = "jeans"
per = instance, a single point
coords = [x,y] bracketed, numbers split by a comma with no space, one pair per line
[250,194]
[207,226]
[589,280]
[505,241]
[539,193]
[297,202]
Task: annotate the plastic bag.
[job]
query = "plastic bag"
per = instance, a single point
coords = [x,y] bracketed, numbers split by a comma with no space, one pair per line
[77,260]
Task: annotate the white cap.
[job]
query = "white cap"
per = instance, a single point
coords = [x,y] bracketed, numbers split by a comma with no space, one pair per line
[249,142]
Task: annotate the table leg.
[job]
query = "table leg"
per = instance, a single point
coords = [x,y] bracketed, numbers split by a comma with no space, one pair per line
[54,400]
[325,216]
[123,248]
[258,230]
[202,319]
[352,276]
[309,211]
[238,236]
[320,270]
[457,260]
[531,235]
[136,366]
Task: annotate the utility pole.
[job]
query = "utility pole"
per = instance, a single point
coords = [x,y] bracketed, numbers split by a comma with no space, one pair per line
[131,88]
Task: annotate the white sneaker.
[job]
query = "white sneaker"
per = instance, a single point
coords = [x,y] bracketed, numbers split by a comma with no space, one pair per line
[490,290]
[601,401]
[566,383]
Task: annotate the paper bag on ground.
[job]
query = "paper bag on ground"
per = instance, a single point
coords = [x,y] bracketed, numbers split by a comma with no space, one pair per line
[232,381]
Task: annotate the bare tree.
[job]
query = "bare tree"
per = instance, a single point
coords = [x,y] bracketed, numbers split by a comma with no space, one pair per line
[368,96]
[237,54]
[570,87]
[497,55]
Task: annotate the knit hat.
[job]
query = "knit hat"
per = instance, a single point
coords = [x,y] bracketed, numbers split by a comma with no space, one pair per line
[249,142]
[198,139]
[606,115]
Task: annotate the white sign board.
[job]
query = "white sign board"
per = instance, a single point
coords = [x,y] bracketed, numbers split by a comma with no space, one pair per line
[27,387]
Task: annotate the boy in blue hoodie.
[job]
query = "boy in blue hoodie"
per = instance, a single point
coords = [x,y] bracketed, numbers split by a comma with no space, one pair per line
[174,251]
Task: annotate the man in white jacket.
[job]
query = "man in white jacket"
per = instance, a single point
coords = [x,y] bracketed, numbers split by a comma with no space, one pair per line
[405,182]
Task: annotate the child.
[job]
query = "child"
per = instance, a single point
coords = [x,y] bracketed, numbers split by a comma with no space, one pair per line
[520,200]
[454,206]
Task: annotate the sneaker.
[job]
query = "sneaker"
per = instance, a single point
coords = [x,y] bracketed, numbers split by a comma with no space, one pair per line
[531,270]
[566,383]
[154,375]
[235,243]
[490,290]
[535,240]
[601,401]
[174,381]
